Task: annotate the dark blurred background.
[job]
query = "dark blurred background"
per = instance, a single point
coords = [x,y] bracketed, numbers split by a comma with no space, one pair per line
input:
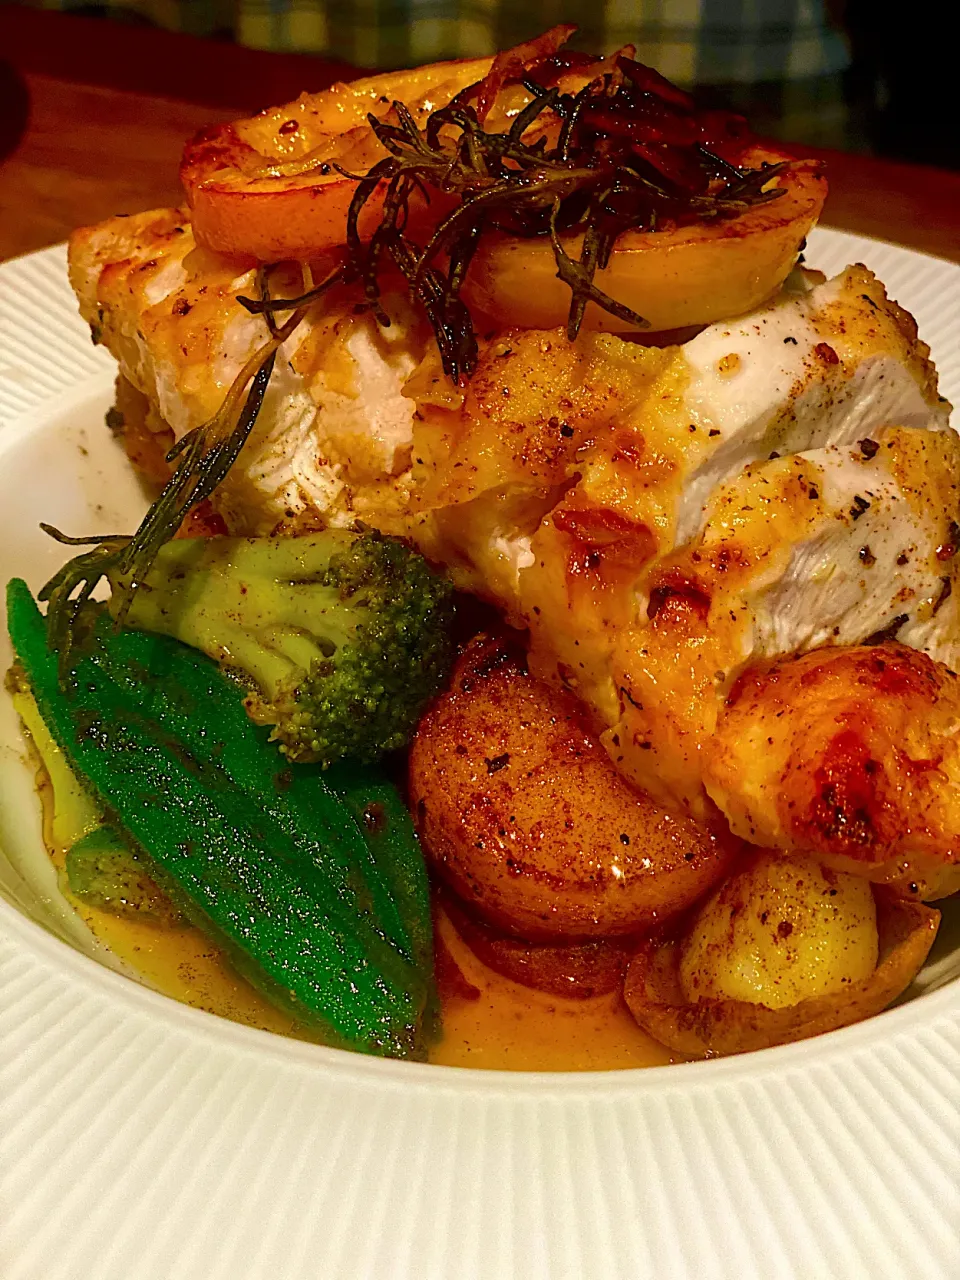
[857,75]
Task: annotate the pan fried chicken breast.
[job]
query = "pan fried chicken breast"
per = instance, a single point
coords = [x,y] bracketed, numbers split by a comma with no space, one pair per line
[357,412]
[659,517]
[826,547]
[334,432]
[854,752]
[565,473]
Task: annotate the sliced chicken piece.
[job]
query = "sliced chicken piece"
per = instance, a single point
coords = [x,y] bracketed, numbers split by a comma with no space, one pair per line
[826,366]
[650,431]
[335,431]
[573,483]
[854,753]
[622,446]
[828,547]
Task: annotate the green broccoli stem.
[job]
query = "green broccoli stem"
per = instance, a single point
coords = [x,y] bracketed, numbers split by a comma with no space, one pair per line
[260,607]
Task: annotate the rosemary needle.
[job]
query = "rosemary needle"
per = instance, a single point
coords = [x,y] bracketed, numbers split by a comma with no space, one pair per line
[627,152]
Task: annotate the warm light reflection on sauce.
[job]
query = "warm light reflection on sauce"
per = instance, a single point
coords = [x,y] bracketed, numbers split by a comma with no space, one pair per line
[509,1027]
[513,1028]
[179,962]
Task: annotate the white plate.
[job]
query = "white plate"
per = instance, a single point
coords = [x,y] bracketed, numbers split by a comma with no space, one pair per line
[142,1140]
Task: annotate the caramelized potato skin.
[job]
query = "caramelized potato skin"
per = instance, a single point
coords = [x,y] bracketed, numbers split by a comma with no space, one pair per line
[523,815]
[576,971]
[711,1028]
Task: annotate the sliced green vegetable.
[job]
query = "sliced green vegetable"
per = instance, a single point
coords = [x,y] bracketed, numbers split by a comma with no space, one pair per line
[74,810]
[270,861]
[381,815]
[103,871]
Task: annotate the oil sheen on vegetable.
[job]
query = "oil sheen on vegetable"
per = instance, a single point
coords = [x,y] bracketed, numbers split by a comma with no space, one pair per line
[505,1027]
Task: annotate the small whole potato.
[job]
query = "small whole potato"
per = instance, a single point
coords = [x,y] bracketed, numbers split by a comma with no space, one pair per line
[523,815]
[712,1025]
[778,931]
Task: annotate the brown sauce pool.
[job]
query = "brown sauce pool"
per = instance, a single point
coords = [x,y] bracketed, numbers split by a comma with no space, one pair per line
[505,1027]
[502,1025]
[510,1027]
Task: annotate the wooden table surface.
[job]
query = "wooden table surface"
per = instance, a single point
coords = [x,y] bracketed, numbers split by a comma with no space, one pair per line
[105,108]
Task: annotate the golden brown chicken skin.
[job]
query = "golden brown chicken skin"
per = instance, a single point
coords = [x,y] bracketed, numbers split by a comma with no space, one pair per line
[659,518]
[826,547]
[852,752]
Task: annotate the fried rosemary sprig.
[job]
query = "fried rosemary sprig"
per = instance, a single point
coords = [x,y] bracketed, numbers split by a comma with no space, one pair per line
[204,456]
[269,307]
[629,152]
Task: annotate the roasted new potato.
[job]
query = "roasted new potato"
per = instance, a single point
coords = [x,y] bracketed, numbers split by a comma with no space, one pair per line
[779,931]
[578,970]
[523,815]
[772,957]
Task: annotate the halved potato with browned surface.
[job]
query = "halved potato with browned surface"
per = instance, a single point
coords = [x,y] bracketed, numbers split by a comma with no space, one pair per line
[270,187]
[778,931]
[678,277]
[523,815]
[274,187]
[772,957]
[266,187]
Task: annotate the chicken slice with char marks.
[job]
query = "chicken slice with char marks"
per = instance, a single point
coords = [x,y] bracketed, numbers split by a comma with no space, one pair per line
[828,547]
[559,478]
[825,366]
[353,406]
[574,483]
[653,431]
[852,752]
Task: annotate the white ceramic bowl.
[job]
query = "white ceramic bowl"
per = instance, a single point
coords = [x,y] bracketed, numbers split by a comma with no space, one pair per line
[142,1140]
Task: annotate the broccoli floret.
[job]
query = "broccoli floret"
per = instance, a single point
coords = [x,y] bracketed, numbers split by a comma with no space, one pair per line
[340,638]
